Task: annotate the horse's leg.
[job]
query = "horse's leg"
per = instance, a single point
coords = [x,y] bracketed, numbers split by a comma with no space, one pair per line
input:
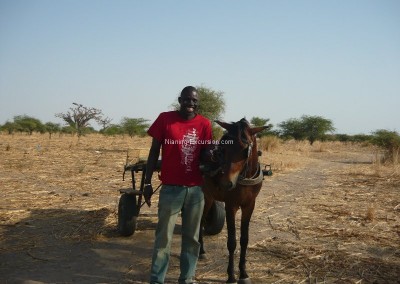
[247,211]
[231,243]
[207,206]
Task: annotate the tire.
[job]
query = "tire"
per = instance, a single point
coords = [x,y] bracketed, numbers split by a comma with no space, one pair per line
[215,219]
[127,216]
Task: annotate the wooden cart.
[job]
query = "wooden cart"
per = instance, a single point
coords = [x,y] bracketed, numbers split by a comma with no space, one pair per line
[132,200]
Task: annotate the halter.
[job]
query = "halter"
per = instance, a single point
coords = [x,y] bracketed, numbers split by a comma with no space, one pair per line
[242,179]
[256,178]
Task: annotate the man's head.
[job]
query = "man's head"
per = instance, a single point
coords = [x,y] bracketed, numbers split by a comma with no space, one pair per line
[188,101]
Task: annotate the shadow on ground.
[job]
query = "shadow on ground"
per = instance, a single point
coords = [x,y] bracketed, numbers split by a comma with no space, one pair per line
[57,245]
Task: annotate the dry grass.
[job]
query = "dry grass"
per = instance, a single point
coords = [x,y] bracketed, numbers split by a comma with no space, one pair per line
[347,227]
[337,223]
[42,177]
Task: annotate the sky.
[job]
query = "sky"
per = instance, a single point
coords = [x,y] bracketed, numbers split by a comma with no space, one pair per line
[271,59]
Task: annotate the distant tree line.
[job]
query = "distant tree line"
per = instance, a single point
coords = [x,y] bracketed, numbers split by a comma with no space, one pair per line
[28,124]
[311,128]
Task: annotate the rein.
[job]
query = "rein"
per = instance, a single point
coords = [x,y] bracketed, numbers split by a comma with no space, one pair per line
[255,179]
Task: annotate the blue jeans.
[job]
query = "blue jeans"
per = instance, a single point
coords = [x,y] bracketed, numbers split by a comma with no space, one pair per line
[172,201]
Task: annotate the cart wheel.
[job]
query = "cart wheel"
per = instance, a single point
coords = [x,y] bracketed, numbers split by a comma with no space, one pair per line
[215,219]
[127,214]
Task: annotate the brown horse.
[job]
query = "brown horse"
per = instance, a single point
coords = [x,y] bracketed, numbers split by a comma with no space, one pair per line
[237,182]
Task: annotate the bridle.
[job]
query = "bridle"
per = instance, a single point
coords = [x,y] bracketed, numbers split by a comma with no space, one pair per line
[242,179]
[257,177]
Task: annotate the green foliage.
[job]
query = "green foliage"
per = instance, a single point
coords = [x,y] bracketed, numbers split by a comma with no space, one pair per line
[211,103]
[258,121]
[292,128]
[52,128]
[316,127]
[361,138]
[28,124]
[307,127]
[88,130]
[134,126]
[112,130]
[68,130]
[358,138]
[10,127]
[389,141]
[342,137]
[217,132]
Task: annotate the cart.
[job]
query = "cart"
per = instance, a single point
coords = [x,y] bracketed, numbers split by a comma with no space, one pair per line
[132,200]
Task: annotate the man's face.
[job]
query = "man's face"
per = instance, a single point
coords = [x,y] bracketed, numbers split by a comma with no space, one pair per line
[189,103]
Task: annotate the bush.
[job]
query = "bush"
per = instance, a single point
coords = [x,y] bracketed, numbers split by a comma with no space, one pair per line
[28,124]
[312,128]
[134,126]
[389,141]
[113,130]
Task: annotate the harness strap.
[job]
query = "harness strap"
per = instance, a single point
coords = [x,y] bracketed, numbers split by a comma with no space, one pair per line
[257,178]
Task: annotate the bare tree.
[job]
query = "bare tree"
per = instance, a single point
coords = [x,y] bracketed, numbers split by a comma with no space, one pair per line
[79,116]
[104,122]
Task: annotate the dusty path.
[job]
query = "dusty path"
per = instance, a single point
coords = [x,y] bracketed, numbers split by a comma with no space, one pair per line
[302,230]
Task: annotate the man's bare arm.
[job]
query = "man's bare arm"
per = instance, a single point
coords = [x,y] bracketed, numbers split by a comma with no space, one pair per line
[150,168]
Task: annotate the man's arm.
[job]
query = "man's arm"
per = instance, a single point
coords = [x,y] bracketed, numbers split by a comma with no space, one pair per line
[150,167]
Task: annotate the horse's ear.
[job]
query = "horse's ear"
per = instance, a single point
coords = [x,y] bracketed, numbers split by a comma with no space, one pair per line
[255,130]
[224,125]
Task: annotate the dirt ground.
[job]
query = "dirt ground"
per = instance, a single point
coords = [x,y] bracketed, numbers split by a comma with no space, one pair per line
[329,214]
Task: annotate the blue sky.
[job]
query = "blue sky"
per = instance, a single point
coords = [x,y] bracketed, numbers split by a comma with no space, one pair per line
[272,59]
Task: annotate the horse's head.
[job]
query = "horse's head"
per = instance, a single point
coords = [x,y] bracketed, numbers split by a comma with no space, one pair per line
[235,149]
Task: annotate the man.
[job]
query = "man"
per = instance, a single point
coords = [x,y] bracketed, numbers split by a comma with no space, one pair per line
[182,135]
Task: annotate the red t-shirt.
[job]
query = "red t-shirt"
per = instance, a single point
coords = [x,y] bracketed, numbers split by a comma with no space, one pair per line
[181,142]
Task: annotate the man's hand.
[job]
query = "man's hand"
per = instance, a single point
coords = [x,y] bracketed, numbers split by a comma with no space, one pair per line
[207,154]
[147,193]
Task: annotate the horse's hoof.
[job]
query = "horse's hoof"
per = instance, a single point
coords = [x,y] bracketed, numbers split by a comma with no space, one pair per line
[244,281]
[202,256]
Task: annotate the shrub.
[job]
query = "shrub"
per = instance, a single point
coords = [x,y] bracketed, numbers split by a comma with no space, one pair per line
[389,141]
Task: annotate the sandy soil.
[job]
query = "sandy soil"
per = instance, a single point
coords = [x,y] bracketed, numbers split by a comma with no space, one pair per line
[331,216]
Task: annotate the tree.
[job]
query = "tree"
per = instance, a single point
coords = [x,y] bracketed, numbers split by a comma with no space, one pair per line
[104,122]
[79,117]
[211,103]
[316,127]
[389,141]
[68,130]
[28,124]
[10,127]
[52,128]
[211,106]
[112,130]
[134,126]
[292,128]
[258,121]
[307,127]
